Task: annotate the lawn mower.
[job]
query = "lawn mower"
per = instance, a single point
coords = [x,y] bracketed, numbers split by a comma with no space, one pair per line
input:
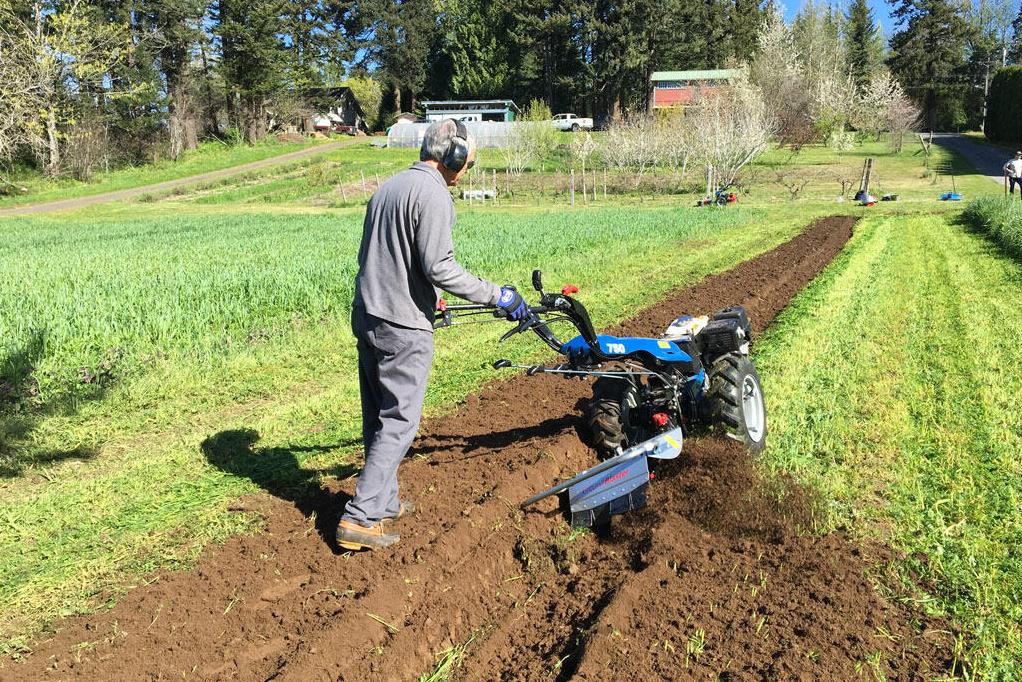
[648,393]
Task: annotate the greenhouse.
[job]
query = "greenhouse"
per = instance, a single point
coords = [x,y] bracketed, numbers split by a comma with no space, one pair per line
[486,133]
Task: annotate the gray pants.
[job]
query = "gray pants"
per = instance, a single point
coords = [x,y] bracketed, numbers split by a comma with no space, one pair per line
[393,367]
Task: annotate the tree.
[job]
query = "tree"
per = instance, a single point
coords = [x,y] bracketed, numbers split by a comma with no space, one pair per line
[176,25]
[927,53]
[730,129]
[863,43]
[1015,45]
[64,50]
[253,59]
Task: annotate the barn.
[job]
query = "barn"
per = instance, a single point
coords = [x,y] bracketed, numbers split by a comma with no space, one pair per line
[686,88]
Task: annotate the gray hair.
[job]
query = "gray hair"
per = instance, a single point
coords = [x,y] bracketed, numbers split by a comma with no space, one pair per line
[437,140]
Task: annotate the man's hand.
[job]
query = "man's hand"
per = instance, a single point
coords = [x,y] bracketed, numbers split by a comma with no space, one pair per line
[512,303]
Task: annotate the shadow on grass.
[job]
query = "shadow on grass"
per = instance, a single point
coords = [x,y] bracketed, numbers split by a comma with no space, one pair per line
[21,411]
[278,471]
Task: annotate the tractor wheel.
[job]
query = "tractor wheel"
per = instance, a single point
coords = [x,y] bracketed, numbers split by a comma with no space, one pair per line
[736,397]
[612,400]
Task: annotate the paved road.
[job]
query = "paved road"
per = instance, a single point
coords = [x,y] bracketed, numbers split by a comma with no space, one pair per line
[80,202]
[988,160]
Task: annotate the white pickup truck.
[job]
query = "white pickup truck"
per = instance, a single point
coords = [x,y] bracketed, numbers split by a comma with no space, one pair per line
[572,122]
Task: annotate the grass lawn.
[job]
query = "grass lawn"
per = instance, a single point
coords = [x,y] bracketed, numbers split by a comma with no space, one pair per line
[210,156]
[892,386]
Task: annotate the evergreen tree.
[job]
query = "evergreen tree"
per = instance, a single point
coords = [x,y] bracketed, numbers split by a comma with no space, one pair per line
[927,54]
[863,49]
[253,59]
[1015,46]
[177,23]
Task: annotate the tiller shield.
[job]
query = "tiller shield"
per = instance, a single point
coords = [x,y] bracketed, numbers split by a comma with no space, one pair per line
[615,486]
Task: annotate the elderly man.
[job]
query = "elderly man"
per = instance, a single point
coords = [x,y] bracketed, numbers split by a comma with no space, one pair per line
[405,258]
[1013,172]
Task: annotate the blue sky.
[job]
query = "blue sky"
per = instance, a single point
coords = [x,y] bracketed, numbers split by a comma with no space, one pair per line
[881,10]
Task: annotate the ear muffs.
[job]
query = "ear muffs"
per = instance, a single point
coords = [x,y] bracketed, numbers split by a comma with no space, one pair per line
[457,153]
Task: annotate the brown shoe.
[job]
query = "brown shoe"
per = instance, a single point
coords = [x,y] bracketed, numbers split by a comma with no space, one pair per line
[354,536]
[407,507]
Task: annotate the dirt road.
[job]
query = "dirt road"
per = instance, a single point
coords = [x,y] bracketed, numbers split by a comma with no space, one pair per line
[713,580]
[120,195]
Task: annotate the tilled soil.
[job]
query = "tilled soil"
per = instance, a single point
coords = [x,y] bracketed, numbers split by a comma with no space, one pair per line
[711,580]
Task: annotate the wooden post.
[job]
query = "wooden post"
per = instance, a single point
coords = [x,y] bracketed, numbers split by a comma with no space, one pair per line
[594,187]
[604,184]
[377,181]
[585,192]
[364,194]
[494,185]
[344,195]
[572,186]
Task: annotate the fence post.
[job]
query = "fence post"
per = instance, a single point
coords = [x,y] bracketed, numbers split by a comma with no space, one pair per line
[572,186]
[364,194]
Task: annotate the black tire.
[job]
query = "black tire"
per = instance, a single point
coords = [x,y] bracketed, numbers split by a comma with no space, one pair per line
[574,127]
[721,200]
[608,415]
[736,400]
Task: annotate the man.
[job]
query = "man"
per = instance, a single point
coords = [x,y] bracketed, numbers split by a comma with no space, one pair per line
[1013,171]
[405,257]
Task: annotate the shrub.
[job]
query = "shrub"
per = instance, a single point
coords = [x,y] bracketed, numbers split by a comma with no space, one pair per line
[1004,105]
[1000,220]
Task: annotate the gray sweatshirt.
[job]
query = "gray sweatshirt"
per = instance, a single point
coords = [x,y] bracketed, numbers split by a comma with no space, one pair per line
[407,254]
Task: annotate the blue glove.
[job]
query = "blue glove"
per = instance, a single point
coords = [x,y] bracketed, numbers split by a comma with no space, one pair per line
[512,303]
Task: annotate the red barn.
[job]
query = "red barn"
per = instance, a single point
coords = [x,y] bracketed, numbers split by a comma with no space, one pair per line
[686,88]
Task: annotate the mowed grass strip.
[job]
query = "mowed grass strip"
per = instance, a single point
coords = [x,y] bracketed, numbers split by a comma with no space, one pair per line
[892,384]
[146,496]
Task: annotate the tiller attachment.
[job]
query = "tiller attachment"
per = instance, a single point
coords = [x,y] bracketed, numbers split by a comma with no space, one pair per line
[614,486]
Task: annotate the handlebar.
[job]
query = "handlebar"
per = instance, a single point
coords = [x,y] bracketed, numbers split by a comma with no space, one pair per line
[563,304]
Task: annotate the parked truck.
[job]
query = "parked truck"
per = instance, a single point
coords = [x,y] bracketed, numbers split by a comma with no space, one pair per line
[572,122]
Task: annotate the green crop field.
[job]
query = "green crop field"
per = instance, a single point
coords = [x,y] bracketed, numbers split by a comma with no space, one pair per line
[903,412]
[129,333]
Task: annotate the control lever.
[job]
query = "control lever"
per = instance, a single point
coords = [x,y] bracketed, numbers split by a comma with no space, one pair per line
[502,364]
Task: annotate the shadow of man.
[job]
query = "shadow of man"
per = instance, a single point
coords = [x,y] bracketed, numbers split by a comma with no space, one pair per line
[278,472]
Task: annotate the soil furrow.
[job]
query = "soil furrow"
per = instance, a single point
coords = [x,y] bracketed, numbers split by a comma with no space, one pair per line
[714,553]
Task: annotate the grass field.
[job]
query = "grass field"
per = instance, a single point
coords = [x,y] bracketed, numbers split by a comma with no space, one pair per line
[210,156]
[130,333]
[903,412]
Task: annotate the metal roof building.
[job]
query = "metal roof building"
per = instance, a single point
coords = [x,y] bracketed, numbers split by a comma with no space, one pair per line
[686,88]
[501,110]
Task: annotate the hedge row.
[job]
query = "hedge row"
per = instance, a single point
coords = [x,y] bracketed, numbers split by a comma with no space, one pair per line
[1004,106]
[998,219]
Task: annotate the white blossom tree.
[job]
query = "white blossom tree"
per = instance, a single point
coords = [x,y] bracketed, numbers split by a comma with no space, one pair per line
[730,129]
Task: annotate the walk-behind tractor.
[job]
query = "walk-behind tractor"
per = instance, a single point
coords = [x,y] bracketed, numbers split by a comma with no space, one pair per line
[648,393]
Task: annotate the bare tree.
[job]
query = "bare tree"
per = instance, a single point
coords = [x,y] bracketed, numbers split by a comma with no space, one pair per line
[582,147]
[730,129]
[903,117]
[794,180]
[634,143]
[675,146]
[530,139]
